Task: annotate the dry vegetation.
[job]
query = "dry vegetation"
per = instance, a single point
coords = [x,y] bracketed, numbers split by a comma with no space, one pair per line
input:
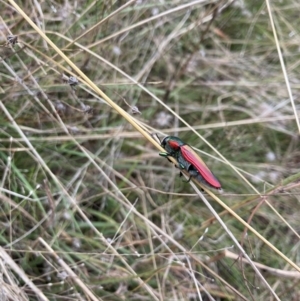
[89,211]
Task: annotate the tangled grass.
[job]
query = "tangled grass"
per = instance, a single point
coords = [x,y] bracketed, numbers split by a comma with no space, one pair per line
[89,211]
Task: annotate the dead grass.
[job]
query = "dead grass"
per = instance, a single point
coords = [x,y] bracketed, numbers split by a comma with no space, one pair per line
[89,210]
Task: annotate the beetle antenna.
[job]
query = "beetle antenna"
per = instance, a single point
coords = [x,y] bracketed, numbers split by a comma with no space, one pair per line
[155,134]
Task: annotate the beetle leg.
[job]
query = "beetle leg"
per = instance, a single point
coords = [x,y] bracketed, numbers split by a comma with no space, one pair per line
[179,166]
[164,154]
[188,180]
[191,170]
[185,181]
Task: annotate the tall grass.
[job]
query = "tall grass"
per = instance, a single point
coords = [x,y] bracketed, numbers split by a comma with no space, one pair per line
[89,210]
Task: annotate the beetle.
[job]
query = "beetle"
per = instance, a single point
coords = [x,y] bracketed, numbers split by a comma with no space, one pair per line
[189,161]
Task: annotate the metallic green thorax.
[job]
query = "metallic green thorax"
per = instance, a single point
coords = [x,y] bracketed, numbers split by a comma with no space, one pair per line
[172,146]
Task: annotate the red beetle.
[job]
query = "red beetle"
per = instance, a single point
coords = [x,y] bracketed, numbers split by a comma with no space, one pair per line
[189,160]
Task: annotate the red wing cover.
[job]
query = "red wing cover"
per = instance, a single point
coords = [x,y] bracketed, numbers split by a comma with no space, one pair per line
[191,156]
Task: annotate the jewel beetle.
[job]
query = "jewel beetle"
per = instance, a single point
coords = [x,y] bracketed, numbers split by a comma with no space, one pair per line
[189,161]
